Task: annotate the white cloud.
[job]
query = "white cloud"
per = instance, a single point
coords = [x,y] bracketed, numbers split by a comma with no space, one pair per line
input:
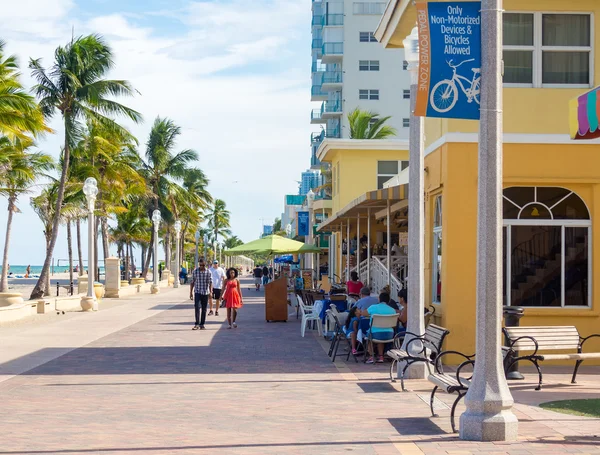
[249,128]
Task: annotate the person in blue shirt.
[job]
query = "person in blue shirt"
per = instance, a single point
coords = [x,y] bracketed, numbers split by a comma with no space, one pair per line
[382,308]
[365,301]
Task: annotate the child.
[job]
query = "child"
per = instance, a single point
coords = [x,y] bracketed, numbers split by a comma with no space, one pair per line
[351,327]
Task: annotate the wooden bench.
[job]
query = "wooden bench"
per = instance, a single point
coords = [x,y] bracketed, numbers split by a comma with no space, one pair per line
[450,382]
[546,338]
[420,348]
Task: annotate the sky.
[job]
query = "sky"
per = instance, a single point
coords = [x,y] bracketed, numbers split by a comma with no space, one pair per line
[234,74]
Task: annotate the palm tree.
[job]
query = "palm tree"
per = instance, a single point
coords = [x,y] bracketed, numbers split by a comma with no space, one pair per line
[368,125]
[218,222]
[161,168]
[74,87]
[24,170]
[232,242]
[20,116]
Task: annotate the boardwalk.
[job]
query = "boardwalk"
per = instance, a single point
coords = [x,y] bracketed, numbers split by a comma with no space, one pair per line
[140,381]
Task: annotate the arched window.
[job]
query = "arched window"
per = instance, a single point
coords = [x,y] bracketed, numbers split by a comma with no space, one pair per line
[546,248]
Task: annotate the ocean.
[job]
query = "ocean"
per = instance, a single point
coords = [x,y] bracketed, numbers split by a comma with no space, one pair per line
[37,269]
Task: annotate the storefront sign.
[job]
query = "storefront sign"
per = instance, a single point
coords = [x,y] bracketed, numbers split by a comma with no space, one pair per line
[303,224]
[403,239]
[449,83]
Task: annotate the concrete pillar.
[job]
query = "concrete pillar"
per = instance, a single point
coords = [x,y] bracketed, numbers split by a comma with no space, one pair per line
[489,416]
[112,270]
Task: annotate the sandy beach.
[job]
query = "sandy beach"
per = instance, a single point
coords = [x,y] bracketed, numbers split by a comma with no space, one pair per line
[26,285]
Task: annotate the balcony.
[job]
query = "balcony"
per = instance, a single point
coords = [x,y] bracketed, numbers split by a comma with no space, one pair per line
[328,20]
[332,52]
[316,117]
[317,67]
[317,93]
[332,80]
[317,47]
[331,109]
[317,20]
[333,133]
[317,138]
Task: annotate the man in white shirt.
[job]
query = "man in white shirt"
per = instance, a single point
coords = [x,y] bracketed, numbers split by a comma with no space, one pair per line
[218,275]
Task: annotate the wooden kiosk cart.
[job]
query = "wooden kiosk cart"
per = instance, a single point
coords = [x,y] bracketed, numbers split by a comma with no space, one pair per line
[276,303]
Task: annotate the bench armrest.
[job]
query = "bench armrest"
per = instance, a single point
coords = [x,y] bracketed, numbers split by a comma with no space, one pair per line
[524,337]
[438,361]
[583,340]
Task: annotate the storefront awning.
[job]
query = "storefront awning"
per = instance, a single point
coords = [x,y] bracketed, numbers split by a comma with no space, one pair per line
[584,112]
[375,201]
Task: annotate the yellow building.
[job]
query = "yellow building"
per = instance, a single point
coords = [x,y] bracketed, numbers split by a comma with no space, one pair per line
[551,183]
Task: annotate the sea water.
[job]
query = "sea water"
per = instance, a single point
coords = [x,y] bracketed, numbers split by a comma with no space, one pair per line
[21,270]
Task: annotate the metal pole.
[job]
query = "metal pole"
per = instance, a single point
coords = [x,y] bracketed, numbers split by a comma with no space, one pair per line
[155,258]
[358,245]
[341,266]
[196,256]
[369,246]
[389,241]
[348,251]
[416,229]
[177,266]
[489,416]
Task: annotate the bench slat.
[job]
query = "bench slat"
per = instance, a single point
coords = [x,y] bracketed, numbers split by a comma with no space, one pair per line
[584,356]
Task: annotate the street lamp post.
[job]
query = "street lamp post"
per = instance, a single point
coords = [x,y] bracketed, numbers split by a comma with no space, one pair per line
[177,265]
[197,237]
[205,239]
[416,218]
[310,199]
[489,416]
[90,189]
[156,218]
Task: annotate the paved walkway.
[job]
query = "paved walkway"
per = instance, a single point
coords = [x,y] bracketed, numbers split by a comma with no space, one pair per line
[135,379]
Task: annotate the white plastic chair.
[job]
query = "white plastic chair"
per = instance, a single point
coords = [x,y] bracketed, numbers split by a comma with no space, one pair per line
[308,315]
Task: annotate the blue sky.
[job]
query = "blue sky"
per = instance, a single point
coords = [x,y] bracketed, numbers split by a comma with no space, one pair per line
[234,74]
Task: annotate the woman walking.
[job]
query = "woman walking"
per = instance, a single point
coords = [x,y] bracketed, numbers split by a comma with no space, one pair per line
[232,296]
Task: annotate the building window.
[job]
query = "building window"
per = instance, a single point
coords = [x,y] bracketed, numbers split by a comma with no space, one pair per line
[388,169]
[436,269]
[546,251]
[368,8]
[406,94]
[367,37]
[405,65]
[368,65]
[405,122]
[364,94]
[546,49]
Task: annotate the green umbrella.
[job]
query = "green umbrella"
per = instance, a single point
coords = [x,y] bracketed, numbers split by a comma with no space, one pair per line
[274,244]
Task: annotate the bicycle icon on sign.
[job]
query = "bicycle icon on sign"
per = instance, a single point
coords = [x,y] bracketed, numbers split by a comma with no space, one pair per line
[444,95]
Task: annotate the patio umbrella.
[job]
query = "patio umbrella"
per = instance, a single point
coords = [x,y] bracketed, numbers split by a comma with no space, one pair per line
[274,244]
[584,115]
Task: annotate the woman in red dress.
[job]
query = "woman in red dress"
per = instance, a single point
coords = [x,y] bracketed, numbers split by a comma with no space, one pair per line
[232,296]
[354,286]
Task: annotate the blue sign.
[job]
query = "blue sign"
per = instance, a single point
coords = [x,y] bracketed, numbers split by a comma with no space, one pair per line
[449,83]
[303,224]
[267,230]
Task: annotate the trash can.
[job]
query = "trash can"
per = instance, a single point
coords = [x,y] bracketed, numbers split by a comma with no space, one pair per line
[512,316]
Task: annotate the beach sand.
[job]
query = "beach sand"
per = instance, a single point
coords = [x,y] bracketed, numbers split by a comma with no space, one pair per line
[25,285]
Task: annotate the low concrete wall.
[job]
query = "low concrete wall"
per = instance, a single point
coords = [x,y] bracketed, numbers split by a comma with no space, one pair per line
[70,303]
[17,311]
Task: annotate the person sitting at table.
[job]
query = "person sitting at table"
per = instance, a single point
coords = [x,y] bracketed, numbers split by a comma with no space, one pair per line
[392,303]
[354,286]
[403,302]
[365,301]
[382,308]
[351,327]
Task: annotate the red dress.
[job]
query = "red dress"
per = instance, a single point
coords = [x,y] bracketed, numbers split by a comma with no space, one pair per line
[232,296]
[354,287]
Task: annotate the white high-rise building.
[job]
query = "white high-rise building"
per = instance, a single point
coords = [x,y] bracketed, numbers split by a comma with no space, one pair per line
[350,69]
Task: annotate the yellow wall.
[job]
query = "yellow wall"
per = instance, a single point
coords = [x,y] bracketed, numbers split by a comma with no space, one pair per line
[358,172]
[532,110]
[452,172]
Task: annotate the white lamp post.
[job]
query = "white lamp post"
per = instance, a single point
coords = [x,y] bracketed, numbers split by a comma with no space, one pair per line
[288,230]
[197,237]
[90,189]
[177,265]
[156,218]
[416,201]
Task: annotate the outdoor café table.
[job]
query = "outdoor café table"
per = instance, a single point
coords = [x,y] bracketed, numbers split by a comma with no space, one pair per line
[341,305]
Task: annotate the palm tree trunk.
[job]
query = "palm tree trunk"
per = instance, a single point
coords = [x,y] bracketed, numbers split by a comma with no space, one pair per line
[127,270]
[96,260]
[168,249]
[4,279]
[131,257]
[105,246]
[79,251]
[38,290]
[149,251]
[48,235]
[70,250]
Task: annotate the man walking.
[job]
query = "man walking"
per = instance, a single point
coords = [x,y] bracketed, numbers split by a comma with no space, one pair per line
[257,277]
[201,286]
[218,274]
[265,275]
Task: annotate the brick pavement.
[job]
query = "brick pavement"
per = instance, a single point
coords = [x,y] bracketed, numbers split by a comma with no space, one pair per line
[157,387]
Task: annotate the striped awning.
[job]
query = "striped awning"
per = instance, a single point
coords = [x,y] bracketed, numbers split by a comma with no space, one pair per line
[371,201]
[584,112]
